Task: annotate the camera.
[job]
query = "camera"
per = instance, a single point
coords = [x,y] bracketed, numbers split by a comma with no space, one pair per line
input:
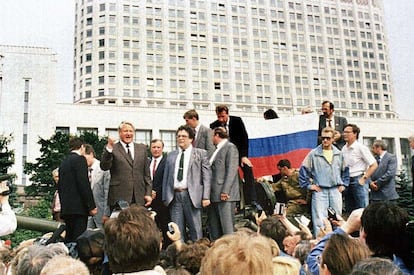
[121,205]
[332,214]
[279,208]
[7,192]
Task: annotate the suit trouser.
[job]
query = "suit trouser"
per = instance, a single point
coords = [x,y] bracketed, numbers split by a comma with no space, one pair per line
[75,226]
[183,213]
[221,219]
[249,181]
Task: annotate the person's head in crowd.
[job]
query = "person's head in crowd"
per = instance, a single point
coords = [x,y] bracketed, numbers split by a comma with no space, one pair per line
[64,265]
[191,255]
[76,143]
[270,114]
[273,228]
[55,175]
[285,265]
[341,254]
[191,118]
[185,135]
[177,271]
[327,109]
[306,110]
[132,241]
[284,167]
[351,133]
[302,250]
[375,266]
[383,228]
[222,112]
[411,141]
[289,243]
[35,258]
[238,253]
[126,131]
[89,154]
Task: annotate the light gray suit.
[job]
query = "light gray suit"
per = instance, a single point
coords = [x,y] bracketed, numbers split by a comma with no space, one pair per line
[203,140]
[185,206]
[225,179]
[100,186]
[384,176]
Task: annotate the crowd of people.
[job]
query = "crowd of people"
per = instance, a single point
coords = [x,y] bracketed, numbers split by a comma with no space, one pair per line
[150,208]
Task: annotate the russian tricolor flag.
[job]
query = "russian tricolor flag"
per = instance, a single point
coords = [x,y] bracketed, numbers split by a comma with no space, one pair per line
[283,138]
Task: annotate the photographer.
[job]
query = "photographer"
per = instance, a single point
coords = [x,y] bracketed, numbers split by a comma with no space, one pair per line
[8,222]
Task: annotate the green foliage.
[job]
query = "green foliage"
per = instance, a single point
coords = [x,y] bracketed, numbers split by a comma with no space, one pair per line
[40,210]
[403,184]
[6,154]
[53,151]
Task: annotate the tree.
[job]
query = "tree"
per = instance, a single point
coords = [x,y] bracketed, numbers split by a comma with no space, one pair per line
[53,151]
[404,190]
[6,154]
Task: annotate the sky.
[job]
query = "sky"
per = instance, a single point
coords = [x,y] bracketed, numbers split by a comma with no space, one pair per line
[49,23]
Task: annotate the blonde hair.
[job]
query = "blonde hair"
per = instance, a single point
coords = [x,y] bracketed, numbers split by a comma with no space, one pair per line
[285,265]
[238,253]
[64,265]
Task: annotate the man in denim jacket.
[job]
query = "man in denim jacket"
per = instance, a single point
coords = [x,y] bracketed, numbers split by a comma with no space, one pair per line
[323,171]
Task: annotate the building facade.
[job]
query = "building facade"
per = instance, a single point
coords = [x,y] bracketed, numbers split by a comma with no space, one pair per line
[253,55]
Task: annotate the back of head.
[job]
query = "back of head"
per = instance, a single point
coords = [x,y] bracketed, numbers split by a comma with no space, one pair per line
[34,259]
[273,228]
[64,265]
[285,265]
[238,254]
[190,257]
[375,266]
[341,253]
[132,241]
[384,225]
[75,143]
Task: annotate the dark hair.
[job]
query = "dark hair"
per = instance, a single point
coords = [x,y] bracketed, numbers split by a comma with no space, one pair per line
[188,129]
[132,240]
[331,105]
[384,225]
[273,228]
[190,257]
[89,150]
[191,114]
[270,114]
[355,129]
[221,132]
[75,143]
[221,108]
[284,163]
[374,266]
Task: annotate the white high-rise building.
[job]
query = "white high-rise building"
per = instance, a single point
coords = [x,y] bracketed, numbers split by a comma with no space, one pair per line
[252,55]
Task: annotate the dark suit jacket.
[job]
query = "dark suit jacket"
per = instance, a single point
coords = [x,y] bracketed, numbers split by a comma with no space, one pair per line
[128,178]
[238,134]
[158,176]
[340,123]
[74,188]
[198,177]
[204,141]
[384,176]
[225,173]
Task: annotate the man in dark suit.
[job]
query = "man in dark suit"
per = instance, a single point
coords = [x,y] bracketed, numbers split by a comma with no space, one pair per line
[75,192]
[239,137]
[157,165]
[202,133]
[186,184]
[128,163]
[328,119]
[383,179]
[224,185]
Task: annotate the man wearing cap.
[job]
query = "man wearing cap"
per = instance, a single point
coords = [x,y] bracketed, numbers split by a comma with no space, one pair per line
[8,222]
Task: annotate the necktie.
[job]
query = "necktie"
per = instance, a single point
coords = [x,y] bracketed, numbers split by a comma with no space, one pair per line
[181,167]
[193,142]
[378,158]
[329,123]
[154,167]
[128,151]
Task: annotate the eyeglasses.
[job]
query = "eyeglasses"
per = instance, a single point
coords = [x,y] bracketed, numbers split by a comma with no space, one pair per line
[327,138]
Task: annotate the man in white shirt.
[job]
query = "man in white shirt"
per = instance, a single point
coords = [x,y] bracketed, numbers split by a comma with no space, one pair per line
[362,165]
[8,222]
